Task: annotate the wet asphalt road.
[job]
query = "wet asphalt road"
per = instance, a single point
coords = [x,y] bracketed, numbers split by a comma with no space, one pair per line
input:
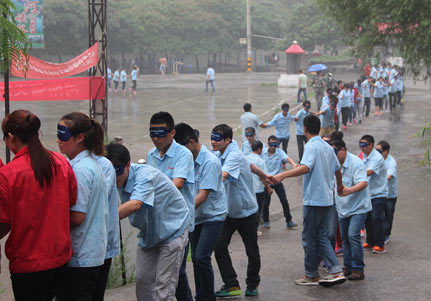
[403,273]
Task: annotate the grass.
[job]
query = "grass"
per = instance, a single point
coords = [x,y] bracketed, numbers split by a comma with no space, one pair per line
[273,84]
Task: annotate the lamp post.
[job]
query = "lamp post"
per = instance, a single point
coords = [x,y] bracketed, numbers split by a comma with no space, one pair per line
[249,59]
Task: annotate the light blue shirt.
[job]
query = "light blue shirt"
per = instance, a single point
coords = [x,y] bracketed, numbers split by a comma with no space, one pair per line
[134,74]
[317,188]
[392,74]
[116,76]
[378,182]
[373,73]
[393,86]
[325,101]
[164,214]
[274,162]
[391,169]
[249,120]
[381,72]
[344,98]
[123,76]
[211,73]
[246,147]
[366,88]
[113,248]
[108,71]
[327,118]
[282,124]
[399,84]
[177,163]
[255,159]
[300,122]
[352,97]
[378,90]
[89,240]
[241,200]
[385,90]
[353,171]
[208,176]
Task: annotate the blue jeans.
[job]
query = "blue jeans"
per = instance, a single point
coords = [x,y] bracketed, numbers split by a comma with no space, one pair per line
[202,243]
[316,243]
[375,223]
[303,90]
[183,292]
[353,253]
[284,143]
[332,225]
[211,81]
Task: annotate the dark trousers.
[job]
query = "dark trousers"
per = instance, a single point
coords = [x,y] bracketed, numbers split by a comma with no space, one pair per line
[134,84]
[399,96]
[39,286]
[247,229]
[392,100]
[367,104]
[281,193]
[284,143]
[123,85]
[345,113]
[183,292]
[116,82]
[301,140]
[389,215]
[260,198]
[202,243]
[99,292]
[82,283]
[304,91]
[209,81]
[374,224]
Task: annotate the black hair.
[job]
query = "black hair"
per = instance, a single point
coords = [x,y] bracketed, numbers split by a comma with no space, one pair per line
[337,135]
[272,137]
[329,90]
[224,129]
[368,138]
[251,129]
[306,102]
[285,107]
[312,124]
[384,145]
[118,154]
[197,133]
[338,144]
[246,107]
[256,145]
[163,117]
[326,135]
[183,133]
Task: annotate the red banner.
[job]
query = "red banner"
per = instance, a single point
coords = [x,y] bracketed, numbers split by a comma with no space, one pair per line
[38,69]
[75,88]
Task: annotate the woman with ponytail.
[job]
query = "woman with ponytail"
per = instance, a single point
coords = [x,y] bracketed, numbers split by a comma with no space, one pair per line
[36,191]
[81,140]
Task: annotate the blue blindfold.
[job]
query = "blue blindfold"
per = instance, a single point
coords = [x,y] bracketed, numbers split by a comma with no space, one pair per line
[119,169]
[159,131]
[249,134]
[216,136]
[272,144]
[63,133]
[363,144]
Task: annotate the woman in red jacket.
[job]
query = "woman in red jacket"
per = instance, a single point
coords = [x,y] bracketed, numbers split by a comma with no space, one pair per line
[36,190]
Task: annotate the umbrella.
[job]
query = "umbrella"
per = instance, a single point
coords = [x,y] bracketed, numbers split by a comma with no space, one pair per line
[317,67]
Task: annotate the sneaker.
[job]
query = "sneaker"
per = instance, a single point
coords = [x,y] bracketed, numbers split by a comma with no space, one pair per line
[360,121]
[291,225]
[344,127]
[251,292]
[259,233]
[356,275]
[378,250]
[362,233]
[347,272]
[332,279]
[267,224]
[367,246]
[306,281]
[227,291]
[387,238]
[338,251]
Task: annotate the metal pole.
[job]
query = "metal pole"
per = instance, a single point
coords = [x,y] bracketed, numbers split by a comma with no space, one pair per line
[6,106]
[249,59]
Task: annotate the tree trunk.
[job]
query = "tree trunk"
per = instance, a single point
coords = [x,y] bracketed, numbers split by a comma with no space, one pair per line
[59,58]
[123,60]
[214,60]
[197,63]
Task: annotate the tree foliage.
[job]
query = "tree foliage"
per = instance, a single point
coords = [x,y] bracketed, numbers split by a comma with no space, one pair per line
[404,25]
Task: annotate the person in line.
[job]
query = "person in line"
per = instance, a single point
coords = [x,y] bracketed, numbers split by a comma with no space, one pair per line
[116,79]
[378,184]
[158,210]
[109,78]
[378,96]
[344,98]
[327,117]
[250,134]
[302,86]
[123,80]
[299,121]
[248,119]
[175,161]
[242,213]
[282,121]
[274,159]
[392,174]
[393,96]
[36,183]
[80,139]
[366,84]
[359,102]
[210,78]
[352,206]
[318,165]
[211,210]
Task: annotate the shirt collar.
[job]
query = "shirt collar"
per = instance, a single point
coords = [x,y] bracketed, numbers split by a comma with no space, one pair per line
[21,152]
[80,156]
[316,138]
[227,151]
[347,161]
[171,150]
[130,179]
[200,159]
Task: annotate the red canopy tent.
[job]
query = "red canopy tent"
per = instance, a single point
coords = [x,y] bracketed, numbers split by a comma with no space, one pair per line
[294,56]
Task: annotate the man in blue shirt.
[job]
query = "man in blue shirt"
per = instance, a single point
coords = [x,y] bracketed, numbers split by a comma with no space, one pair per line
[379,87]
[367,94]
[318,165]
[299,120]
[248,119]
[378,184]
[352,207]
[274,159]
[134,76]
[175,161]
[210,78]
[211,210]
[327,117]
[282,121]
[242,213]
[155,207]
[109,78]
[392,174]
[393,96]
